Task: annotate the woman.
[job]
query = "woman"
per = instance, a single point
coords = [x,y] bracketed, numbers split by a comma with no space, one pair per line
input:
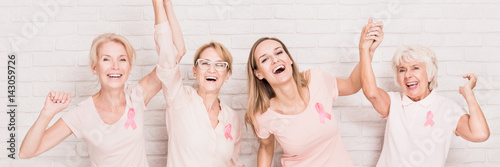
[202,130]
[295,108]
[420,122]
[111,121]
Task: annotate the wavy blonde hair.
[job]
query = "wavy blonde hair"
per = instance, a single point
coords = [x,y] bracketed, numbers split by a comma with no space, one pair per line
[221,51]
[420,54]
[101,39]
[260,91]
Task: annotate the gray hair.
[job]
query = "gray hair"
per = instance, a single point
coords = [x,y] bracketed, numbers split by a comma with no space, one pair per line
[420,54]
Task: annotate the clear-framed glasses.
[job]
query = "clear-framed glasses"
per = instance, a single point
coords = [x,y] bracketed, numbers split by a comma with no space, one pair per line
[205,64]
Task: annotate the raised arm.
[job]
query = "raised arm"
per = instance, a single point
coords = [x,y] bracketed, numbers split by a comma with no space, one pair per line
[40,139]
[266,152]
[378,97]
[169,39]
[472,127]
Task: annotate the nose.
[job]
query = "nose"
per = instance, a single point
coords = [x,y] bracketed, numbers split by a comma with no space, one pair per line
[212,68]
[408,74]
[274,59]
[115,65]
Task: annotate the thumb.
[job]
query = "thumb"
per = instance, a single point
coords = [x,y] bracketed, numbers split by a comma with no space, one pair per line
[370,20]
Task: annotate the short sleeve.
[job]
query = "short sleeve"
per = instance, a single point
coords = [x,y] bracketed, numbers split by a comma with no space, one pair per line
[456,112]
[329,81]
[261,129]
[74,120]
[137,96]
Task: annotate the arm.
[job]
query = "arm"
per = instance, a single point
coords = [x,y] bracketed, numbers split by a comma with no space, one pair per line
[378,97]
[38,139]
[169,40]
[266,152]
[474,127]
[235,158]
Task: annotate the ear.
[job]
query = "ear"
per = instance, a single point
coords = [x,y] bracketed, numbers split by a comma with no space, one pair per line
[94,70]
[229,73]
[194,71]
[258,74]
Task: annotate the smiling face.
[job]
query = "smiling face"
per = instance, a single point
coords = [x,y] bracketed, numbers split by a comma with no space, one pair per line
[273,63]
[412,77]
[210,80]
[113,66]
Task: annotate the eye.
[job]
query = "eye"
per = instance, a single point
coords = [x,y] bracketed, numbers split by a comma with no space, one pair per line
[205,63]
[264,60]
[416,68]
[402,70]
[123,59]
[280,52]
[219,64]
[105,59]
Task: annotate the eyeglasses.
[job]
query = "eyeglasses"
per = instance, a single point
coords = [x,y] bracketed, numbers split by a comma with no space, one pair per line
[205,64]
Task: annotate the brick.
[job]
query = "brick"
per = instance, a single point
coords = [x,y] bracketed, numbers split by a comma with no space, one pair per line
[137,3]
[317,26]
[137,28]
[356,2]
[316,2]
[463,11]
[56,59]
[273,26]
[460,69]
[337,12]
[349,129]
[88,88]
[371,157]
[491,11]
[243,41]
[229,2]
[36,44]
[42,89]
[99,3]
[74,74]
[76,43]
[72,161]
[230,27]
[209,13]
[194,28]
[358,144]
[269,2]
[481,26]
[35,74]
[463,40]
[491,39]
[317,55]
[418,11]
[443,26]
[339,40]
[352,114]
[121,14]
[189,2]
[155,133]
[14,3]
[295,12]
[374,129]
[482,54]
[235,87]
[403,26]
[79,14]
[98,28]
[252,12]
[298,41]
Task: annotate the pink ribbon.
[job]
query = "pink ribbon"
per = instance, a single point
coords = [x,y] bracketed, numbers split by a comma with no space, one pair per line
[429,119]
[322,113]
[227,131]
[130,119]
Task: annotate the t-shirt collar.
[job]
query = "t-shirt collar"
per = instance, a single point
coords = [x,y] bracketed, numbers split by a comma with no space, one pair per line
[426,102]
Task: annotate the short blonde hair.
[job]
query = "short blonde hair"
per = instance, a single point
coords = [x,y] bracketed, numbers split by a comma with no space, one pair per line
[221,51]
[420,54]
[107,37]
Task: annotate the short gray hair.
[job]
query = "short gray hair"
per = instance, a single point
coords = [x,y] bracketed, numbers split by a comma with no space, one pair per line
[420,54]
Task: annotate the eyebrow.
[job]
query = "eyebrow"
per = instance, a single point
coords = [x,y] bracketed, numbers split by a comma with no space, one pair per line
[274,49]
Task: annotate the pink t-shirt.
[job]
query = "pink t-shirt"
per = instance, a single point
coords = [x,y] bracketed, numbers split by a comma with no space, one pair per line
[419,133]
[310,138]
[115,144]
[192,142]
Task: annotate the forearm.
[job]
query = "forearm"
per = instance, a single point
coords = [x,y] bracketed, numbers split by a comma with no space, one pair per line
[355,79]
[33,138]
[477,122]
[368,81]
[159,10]
[177,36]
[265,156]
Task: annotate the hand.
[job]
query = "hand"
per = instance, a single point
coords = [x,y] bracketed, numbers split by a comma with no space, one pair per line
[378,33]
[166,1]
[55,102]
[467,88]
[367,38]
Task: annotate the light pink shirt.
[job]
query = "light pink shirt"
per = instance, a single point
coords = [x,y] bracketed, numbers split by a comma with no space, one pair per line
[111,145]
[305,139]
[419,133]
[192,142]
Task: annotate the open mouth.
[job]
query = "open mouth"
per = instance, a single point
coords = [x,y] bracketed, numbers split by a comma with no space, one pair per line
[114,75]
[211,79]
[279,69]
[412,85]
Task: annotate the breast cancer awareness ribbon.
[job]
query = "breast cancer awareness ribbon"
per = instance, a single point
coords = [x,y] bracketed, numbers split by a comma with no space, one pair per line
[227,132]
[130,119]
[322,113]
[429,119]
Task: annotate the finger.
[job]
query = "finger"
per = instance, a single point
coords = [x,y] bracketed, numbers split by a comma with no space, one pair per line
[56,96]
[52,94]
[374,34]
[64,97]
[375,29]
[370,20]
[379,24]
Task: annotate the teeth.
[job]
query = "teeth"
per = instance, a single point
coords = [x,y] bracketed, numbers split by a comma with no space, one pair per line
[411,84]
[211,78]
[277,68]
[114,75]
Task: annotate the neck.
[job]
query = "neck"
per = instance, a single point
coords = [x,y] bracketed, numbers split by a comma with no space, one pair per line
[112,98]
[211,100]
[418,98]
[287,94]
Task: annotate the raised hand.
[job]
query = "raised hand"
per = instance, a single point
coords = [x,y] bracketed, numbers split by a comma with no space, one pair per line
[376,31]
[467,88]
[55,102]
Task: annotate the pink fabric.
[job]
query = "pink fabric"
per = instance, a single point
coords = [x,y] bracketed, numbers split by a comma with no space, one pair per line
[227,132]
[192,141]
[407,142]
[307,141]
[429,119]
[130,119]
[322,113]
[111,144]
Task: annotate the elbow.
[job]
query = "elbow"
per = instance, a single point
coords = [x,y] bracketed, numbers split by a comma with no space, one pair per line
[370,95]
[182,51]
[481,137]
[22,155]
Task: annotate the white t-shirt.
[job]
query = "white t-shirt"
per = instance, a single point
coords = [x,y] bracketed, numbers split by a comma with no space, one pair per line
[115,144]
[419,133]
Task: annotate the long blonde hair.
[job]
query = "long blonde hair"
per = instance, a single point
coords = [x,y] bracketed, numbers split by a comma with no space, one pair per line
[260,91]
[103,38]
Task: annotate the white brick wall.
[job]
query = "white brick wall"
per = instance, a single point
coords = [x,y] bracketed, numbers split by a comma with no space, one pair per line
[52,39]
